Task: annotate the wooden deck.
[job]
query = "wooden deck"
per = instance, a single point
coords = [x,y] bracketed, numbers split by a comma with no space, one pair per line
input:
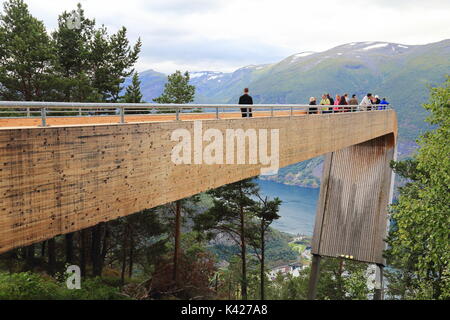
[93,120]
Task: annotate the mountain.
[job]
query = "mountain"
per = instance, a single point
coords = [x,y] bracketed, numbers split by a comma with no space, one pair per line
[152,84]
[400,72]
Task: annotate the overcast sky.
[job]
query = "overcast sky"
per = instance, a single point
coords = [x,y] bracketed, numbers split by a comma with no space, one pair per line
[224,35]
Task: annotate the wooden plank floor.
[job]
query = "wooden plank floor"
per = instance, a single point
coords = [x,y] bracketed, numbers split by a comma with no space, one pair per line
[77,120]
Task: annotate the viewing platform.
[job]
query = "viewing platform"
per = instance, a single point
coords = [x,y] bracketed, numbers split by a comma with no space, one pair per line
[66,167]
[32,114]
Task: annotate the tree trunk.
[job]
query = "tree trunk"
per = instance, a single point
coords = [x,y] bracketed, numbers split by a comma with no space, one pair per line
[83,251]
[43,248]
[243,255]
[69,248]
[51,256]
[130,266]
[96,250]
[29,257]
[176,255]
[124,253]
[262,259]
[217,283]
[106,236]
[229,288]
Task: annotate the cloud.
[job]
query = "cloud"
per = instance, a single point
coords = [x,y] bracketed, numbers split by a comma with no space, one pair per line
[174,7]
[227,34]
[203,53]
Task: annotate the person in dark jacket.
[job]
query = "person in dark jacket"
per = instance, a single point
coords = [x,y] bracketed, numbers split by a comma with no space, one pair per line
[343,102]
[331,99]
[353,102]
[246,99]
[377,100]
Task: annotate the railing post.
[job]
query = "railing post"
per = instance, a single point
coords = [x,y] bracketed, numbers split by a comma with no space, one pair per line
[28,112]
[177,112]
[44,117]
[79,111]
[271,111]
[217,113]
[122,114]
[292,111]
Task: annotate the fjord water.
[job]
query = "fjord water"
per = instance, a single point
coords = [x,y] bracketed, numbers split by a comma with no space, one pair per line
[298,207]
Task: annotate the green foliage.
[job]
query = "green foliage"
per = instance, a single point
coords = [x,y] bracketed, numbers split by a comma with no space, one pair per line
[342,280]
[339,280]
[94,289]
[32,286]
[27,286]
[418,239]
[120,58]
[229,202]
[73,58]
[133,92]
[26,54]
[288,287]
[277,251]
[138,243]
[81,63]
[232,215]
[177,89]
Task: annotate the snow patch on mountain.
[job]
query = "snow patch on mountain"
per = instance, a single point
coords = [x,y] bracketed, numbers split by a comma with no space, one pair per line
[206,75]
[214,76]
[375,46]
[303,54]
[194,75]
[297,56]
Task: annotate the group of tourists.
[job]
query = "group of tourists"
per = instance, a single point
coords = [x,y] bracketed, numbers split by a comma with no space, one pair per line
[346,104]
[329,105]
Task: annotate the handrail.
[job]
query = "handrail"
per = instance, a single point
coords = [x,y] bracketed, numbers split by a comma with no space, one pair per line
[45,109]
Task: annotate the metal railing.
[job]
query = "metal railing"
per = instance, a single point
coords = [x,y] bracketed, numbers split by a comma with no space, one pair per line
[45,110]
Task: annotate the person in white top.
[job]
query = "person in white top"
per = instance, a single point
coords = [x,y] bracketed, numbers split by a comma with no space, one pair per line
[366,103]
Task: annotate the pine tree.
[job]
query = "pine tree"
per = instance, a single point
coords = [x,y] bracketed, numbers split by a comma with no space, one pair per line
[91,63]
[72,51]
[232,214]
[133,92]
[177,89]
[26,55]
[266,211]
[122,58]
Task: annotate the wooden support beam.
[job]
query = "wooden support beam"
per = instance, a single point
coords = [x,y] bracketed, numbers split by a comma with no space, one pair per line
[314,277]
